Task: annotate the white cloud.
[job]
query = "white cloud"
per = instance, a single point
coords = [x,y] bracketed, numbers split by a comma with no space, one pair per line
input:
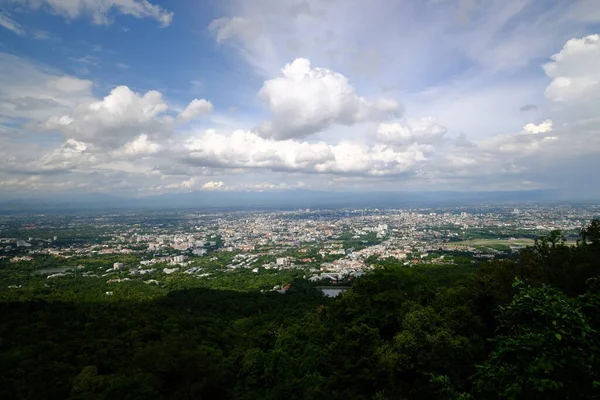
[100,10]
[212,185]
[141,145]
[131,141]
[195,109]
[543,127]
[35,92]
[68,84]
[193,183]
[575,70]
[7,22]
[417,42]
[188,184]
[26,159]
[516,145]
[423,131]
[72,154]
[242,149]
[264,186]
[306,100]
[118,118]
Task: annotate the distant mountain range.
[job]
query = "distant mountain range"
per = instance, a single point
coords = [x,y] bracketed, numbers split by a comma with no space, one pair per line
[290,199]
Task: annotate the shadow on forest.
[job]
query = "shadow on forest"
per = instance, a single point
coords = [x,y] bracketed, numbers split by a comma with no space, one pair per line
[154,345]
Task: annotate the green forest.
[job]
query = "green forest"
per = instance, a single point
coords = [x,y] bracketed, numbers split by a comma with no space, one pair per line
[523,328]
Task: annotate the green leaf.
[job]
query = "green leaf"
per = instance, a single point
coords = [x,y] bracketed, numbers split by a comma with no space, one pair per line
[558,336]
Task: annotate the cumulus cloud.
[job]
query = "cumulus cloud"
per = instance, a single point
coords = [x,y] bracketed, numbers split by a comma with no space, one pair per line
[423,131]
[194,183]
[517,145]
[265,186]
[543,127]
[131,142]
[212,185]
[100,10]
[242,149]
[574,70]
[116,119]
[187,184]
[71,154]
[195,109]
[305,100]
[141,145]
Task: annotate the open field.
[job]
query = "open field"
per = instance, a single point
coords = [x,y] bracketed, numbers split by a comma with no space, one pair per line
[497,243]
[494,242]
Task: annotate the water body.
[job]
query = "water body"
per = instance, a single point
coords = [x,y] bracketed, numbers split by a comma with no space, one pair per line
[54,270]
[333,291]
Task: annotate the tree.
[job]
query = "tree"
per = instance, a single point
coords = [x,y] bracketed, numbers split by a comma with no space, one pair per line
[544,349]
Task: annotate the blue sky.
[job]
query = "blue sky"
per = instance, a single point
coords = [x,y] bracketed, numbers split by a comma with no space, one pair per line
[141,97]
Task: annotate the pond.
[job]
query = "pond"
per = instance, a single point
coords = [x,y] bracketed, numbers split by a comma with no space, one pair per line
[332,291]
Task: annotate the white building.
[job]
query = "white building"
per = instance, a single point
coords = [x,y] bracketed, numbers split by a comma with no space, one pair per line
[282,261]
[382,227]
[118,265]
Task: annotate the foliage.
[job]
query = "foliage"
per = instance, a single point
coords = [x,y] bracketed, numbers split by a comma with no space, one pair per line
[545,348]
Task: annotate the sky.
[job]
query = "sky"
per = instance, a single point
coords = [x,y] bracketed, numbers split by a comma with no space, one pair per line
[147,97]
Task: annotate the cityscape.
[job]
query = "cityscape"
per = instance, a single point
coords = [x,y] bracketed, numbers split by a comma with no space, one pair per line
[327,247]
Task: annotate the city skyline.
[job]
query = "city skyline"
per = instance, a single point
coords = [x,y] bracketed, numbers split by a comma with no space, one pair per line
[144,98]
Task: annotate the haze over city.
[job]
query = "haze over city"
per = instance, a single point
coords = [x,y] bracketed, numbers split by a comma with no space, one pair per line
[143,98]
